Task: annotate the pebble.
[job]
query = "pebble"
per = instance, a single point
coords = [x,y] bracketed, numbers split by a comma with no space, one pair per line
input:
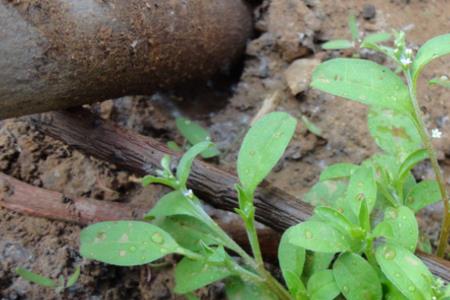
[298,74]
[369,11]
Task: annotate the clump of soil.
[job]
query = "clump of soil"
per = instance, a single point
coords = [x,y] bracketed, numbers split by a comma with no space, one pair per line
[285,30]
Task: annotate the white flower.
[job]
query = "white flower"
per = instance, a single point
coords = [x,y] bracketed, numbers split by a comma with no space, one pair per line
[188,194]
[436,133]
[405,61]
[408,51]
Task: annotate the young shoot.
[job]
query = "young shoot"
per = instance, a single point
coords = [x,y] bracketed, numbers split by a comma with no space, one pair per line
[358,40]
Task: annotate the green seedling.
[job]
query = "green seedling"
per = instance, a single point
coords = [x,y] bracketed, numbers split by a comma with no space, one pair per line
[442,81]
[361,239]
[358,40]
[313,128]
[58,285]
[194,134]
[179,225]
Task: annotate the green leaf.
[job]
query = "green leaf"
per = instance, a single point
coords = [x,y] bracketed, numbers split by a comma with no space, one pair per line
[126,243]
[295,284]
[405,271]
[332,216]
[394,132]
[337,45]
[409,184]
[36,278]
[315,262]
[185,164]
[393,293]
[325,193]
[195,134]
[424,244]
[385,167]
[364,217]
[375,38]
[432,49]
[362,81]
[383,229]
[263,146]
[191,296]
[174,203]
[149,179]
[442,81]
[341,223]
[322,286]
[72,279]
[236,289]
[362,187]
[311,126]
[191,275]
[319,237]
[405,230]
[338,171]
[353,26]
[291,258]
[356,278]
[173,146]
[423,194]
[190,233]
[410,162]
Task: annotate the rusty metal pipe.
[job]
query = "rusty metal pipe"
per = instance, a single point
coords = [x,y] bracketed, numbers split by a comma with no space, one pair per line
[56,54]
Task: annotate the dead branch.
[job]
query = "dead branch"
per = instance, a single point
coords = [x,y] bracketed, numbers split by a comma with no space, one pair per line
[24,198]
[141,155]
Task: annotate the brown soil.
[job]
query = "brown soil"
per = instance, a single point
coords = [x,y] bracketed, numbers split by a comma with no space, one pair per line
[285,30]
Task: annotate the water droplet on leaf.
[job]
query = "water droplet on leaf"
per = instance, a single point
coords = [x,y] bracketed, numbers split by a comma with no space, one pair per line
[389,253]
[308,234]
[157,238]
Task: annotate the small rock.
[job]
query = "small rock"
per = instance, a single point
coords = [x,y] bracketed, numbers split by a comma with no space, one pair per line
[264,42]
[293,24]
[298,74]
[369,11]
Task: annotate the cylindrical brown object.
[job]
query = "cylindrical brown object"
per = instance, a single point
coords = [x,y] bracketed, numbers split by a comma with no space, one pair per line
[62,53]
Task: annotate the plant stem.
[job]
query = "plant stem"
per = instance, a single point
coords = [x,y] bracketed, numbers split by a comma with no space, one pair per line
[254,241]
[267,278]
[445,227]
[370,254]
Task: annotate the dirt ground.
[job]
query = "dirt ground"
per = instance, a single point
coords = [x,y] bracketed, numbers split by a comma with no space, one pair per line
[285,30]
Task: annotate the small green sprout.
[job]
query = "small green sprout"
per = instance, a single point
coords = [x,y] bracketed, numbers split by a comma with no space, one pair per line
[311,126]
[59,285]
[358,40]
[442,81]
[194,134]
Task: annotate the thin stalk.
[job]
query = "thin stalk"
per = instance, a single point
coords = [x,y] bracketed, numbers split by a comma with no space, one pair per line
[445,227]
[254,241]
[370,253]
[267,278]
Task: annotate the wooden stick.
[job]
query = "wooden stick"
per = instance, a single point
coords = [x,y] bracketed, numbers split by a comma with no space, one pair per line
[24,198]
[139,154]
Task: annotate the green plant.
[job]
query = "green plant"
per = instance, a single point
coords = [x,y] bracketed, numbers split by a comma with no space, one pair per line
[360,242]
[181,226]
[310,126]
[357,41]
[59,285]
[194,134]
